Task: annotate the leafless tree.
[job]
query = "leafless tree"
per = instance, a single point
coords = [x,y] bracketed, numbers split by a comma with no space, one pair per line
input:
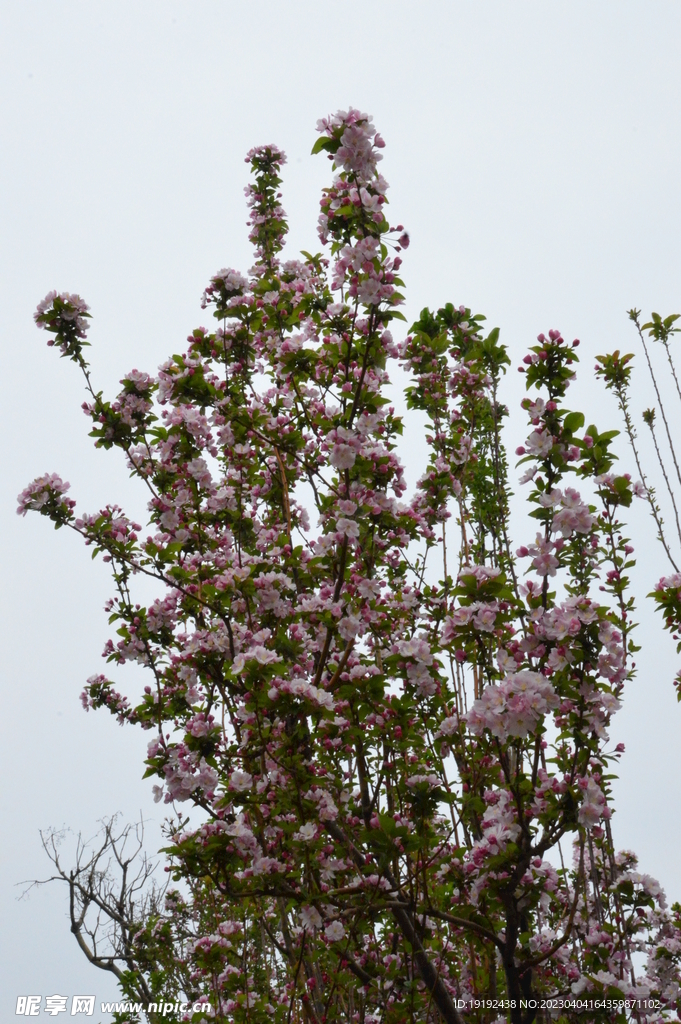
[112,895]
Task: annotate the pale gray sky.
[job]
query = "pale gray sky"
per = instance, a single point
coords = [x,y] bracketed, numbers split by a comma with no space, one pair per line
[533,151]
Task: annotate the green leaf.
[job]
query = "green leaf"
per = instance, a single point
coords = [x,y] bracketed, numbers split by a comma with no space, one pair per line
[324,142]
[573,421]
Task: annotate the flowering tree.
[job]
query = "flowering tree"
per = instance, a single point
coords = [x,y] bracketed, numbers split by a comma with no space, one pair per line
[390,727]
[615,369]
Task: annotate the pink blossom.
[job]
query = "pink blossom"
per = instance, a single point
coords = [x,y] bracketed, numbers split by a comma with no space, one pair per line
[544,561]
[514,707]
[482,573]
[45,490]
[417,649]
[539,444]
[347,528]
[343,456]
[306,832]
[334,931]
[485,619]
[310,918]
[449,726]
[593,804]
[240,781]
[431,780]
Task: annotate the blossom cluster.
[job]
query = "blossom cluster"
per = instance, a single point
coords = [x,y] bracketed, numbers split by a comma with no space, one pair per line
[514,707]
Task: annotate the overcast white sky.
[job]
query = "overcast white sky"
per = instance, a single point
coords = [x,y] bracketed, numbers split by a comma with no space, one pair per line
[533,151]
